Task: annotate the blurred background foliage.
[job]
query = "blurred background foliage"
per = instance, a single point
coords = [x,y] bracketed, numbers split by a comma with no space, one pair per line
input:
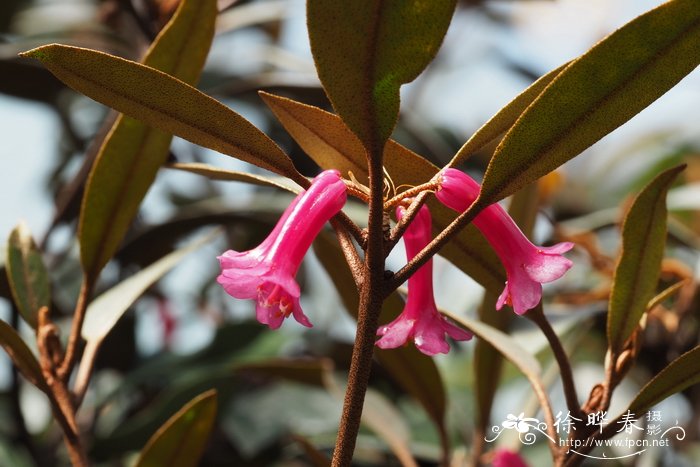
[278,390]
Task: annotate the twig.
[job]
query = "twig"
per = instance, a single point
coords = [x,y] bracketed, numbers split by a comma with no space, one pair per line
[82,379]
[350,252]
[352,228]
[66,367]
[371,298]
[536,315]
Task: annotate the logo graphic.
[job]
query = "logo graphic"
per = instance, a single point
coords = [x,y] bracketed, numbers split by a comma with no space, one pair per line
[529,429]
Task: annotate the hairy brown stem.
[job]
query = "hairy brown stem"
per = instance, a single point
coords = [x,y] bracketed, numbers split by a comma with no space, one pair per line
[64,411]
[536,315]
[66,367]
[350,252]
[371,298]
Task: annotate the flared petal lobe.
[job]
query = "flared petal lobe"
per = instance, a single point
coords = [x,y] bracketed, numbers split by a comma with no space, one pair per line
[527,266]
[266,273]
[420,318]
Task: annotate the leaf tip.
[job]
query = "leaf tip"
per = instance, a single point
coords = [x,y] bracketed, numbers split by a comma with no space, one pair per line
[39,53]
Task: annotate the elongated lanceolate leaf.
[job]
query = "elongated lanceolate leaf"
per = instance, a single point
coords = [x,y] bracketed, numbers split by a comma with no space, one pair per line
[164,102]
[366,49]
[595,94]
[133,152]
[180,442]
[21,355]
[506,345]
[27,275]
[104,312]
[505,118]
[216,173]
[680,374]
[325,138]
[637,272]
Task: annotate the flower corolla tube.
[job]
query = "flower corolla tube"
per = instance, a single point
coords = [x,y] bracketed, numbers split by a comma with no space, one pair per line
[527,266]
[420,318]
[267,272]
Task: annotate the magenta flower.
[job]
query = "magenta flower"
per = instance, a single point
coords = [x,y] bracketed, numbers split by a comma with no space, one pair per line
[527,266]
[266,273]
[420,318]
[506,458]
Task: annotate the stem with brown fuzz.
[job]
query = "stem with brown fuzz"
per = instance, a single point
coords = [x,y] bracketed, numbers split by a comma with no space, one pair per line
[66,367]
[371,299]
[536,315]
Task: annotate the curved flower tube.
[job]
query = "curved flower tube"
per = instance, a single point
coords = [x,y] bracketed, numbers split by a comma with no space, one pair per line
[266,273]
[420,318]
[527,266]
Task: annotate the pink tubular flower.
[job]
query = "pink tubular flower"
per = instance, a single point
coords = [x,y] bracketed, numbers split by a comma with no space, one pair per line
[266,273]
[527,266]
[420,318]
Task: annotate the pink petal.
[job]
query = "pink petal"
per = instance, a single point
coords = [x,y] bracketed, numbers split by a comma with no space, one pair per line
[396,333]
[430,337]
[455,332]
[544,267]
[525,293]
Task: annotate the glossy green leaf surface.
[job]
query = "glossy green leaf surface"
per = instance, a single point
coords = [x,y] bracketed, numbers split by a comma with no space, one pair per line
[27,275]
[164,102]
[182,439]
[365,50]
[325,138]
[595,94]
[21,355]
[680,374]
[504,118]
[637,272]
[105,310]
[133,152]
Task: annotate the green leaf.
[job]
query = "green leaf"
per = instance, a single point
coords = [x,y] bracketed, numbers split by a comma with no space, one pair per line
[637,272]
[164,102]
[365,50]
[507,346]
[216,173]
[181,440]
[104,312]
[21,356]
[301,370]
[680,374]
[595,94]
[416,373]
[133,152]
[667,293]
[505,118]
[325,138]
[27,275]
